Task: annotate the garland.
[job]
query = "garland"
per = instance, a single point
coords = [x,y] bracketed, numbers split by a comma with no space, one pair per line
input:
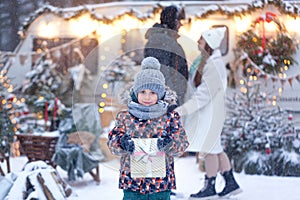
[272,55]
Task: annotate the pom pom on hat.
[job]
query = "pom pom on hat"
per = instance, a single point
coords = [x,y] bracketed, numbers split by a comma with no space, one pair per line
[150,77]
[214,37]
[150,63]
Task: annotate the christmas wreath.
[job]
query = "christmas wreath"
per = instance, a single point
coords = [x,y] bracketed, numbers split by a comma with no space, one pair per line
[273,54]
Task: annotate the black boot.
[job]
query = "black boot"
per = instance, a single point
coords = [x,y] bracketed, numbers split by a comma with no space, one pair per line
[231,186]
[208,191]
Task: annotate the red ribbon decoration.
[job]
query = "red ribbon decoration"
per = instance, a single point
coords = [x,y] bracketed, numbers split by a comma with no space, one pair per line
[269,16]
[55,108]
[46,112]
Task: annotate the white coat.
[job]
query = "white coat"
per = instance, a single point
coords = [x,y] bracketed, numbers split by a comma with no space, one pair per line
[204,112]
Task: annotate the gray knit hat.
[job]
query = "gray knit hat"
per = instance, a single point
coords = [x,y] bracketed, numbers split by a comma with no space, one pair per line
[150,78]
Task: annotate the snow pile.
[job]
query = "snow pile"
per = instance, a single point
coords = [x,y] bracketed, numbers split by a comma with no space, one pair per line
[37,181]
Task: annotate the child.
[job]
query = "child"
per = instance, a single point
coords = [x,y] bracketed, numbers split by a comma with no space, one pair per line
[147,117]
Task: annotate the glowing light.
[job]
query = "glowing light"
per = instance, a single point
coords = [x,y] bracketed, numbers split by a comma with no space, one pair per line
[83,25]
[286,62]
[102,68]
[242,24]
[242,82]
[4,101]
[103,95]
[40,115]
[10,89]
[127,23]
[101,110]
[101,104]
[270,28]
[244,90]
[290,22]
[102,57]
[105,86]
[48,29]
[194,31]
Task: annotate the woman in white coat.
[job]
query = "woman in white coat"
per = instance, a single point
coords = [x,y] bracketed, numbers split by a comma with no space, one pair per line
[205,114]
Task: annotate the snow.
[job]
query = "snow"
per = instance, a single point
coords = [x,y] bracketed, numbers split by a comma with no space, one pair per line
[189,180]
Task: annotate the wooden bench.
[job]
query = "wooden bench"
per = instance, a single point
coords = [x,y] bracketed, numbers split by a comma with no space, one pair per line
[37,147]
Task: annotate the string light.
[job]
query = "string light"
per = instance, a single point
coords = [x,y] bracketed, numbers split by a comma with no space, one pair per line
[102,57]
[105,86]
[101,104]
[101,110]
[103,95]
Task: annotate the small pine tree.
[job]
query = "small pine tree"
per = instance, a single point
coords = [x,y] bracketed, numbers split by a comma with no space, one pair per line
[41,87]
[7,128]
[43,80]
[256,133]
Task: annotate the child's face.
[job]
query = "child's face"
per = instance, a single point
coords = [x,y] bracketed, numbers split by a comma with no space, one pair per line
[147,97]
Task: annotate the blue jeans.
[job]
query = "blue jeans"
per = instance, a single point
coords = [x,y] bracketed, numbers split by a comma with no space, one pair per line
[130,195]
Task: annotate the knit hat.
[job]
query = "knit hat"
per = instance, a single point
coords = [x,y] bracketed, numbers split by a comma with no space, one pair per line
[150,78]
[214,37]
[170,14]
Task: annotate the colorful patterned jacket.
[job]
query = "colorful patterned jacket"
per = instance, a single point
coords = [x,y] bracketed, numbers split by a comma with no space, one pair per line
[152,128]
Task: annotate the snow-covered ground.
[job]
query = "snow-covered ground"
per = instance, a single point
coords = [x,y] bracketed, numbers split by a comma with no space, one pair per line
[189,180]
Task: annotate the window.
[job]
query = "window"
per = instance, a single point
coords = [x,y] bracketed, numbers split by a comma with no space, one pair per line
[62,51]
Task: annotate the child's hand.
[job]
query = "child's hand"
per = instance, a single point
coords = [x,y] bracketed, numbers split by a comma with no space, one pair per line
[127,144]
[164,143]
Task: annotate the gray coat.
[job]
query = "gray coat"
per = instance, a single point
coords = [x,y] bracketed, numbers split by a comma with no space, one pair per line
[162,44]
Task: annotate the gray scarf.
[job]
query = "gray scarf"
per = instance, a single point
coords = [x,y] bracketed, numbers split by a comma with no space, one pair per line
[148,112]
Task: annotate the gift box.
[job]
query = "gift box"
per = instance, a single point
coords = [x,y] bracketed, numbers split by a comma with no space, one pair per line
[147,161]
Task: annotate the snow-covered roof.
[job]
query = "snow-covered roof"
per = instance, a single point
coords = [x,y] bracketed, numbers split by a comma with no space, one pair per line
[108,12]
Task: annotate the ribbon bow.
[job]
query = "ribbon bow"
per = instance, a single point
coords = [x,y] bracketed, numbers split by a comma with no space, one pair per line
[269,16]
[147,152]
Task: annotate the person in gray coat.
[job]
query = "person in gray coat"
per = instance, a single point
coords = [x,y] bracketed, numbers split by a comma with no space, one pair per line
[163,45]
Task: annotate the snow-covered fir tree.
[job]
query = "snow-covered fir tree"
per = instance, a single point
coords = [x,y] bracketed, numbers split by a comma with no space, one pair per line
[43,90]
[7,127]
[259,136]
[43,80]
